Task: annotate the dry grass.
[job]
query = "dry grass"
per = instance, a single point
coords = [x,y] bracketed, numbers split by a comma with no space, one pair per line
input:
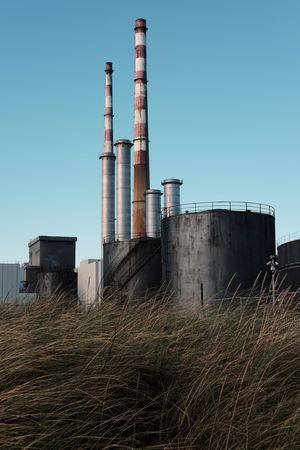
[149,377]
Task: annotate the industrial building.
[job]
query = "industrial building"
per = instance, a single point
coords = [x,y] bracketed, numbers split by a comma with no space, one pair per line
[10,278]
[202,251]
[12,284]
[51,265]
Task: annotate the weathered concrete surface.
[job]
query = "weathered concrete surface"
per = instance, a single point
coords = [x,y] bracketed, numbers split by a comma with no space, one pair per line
[52,252]
[50,282]
[133,266]
[289,265]
[203,251]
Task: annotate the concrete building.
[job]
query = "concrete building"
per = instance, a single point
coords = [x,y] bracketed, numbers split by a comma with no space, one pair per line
[51,264]
[9,281]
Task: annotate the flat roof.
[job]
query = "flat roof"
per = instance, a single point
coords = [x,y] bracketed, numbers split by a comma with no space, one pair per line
[52,238]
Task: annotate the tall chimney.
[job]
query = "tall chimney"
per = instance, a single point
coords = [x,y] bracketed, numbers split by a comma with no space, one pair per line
[108,164]
[141,142]
[123,147]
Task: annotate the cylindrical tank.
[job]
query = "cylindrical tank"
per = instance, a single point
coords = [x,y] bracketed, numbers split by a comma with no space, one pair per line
[153,212]
[123,147]
[171,196]
[289,265]
[210,254]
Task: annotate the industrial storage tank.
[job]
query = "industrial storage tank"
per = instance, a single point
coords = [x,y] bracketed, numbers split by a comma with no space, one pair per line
[209,250]
[289,264]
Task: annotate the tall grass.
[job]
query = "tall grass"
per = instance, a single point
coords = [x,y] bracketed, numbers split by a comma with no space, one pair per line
[149,376]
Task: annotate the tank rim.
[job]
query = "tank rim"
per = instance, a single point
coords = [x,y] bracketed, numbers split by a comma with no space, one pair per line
[214,206]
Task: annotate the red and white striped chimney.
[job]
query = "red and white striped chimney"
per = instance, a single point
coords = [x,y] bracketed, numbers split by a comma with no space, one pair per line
[141,139]
[108,111]
[108,164]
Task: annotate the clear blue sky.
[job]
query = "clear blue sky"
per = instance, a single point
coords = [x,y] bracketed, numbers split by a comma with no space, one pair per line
[224,107]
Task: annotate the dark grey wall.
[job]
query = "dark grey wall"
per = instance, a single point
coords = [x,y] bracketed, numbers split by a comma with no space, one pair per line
[52,254]
[288,257]
[137,260]
[57,281]
[210,247]
[58,254]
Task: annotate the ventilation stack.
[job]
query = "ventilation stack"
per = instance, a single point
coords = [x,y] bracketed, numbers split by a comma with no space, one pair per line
[153,212]
[171,196]
[123,147]
[108,164]
[141,139]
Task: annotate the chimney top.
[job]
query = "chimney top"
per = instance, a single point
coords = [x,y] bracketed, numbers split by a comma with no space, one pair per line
[108,67]
[141,23]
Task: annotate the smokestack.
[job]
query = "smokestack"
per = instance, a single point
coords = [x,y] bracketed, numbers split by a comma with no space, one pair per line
[171,196]
[153,212]
[108,164]
[141,142]
[123,147]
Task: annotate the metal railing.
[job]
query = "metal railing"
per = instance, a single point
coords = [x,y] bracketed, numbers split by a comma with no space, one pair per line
[124,238]
[189,208]
[288,237]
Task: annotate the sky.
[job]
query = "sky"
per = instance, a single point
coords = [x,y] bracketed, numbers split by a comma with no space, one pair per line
[224,108]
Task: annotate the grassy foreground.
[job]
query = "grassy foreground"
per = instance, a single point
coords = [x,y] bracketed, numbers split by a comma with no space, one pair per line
[149,377]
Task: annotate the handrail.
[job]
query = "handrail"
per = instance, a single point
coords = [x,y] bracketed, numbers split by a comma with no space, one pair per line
[189,208]
[288,238]
[134,237]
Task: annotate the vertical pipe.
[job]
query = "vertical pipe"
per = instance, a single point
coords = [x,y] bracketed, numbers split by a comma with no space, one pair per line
[153,212]
[141,138]
[108,164]
[123,147]
[171,196]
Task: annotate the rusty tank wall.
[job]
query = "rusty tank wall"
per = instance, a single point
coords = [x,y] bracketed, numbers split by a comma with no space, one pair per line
[202,251]
[133,266]
[289,265]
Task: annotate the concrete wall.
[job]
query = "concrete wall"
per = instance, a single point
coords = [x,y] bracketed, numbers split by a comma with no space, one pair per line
[9,281]
[206,249]
[89,287]
[51,282]
[289,265]
[134,266]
